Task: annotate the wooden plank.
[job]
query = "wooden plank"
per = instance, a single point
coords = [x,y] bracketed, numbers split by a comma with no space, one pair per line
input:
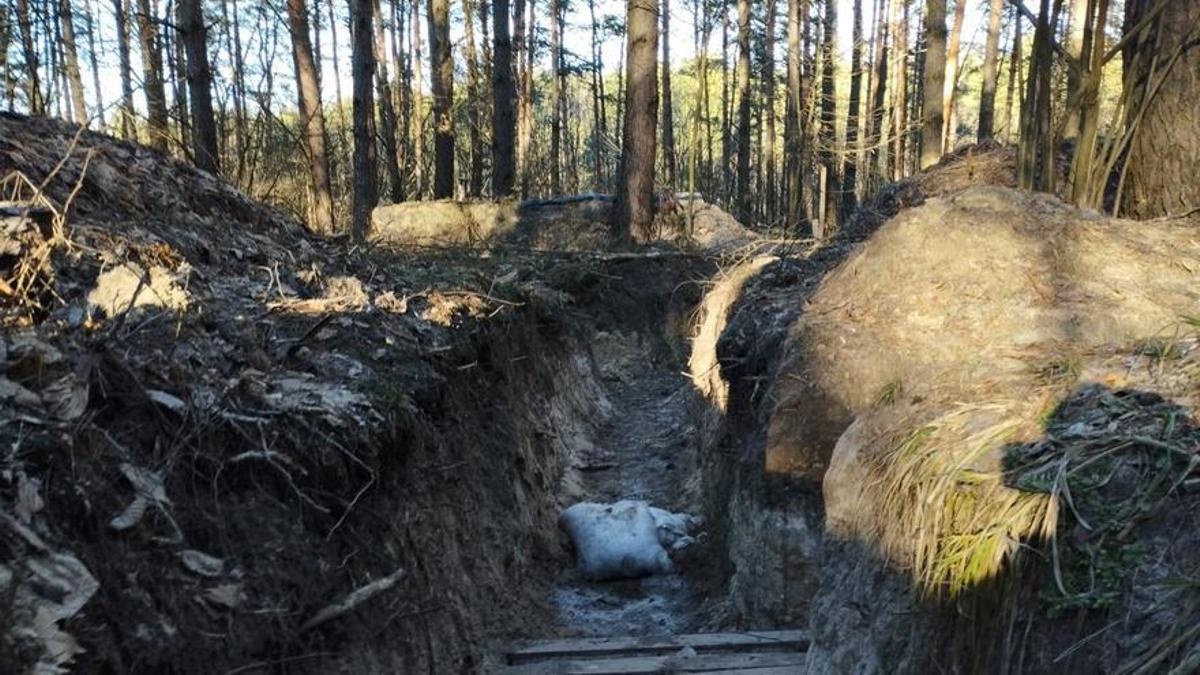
[753,664]
[768,640]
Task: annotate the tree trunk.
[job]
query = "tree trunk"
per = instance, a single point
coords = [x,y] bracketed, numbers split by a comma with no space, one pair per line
[950,87]
[387,112]
[442,89]
[337,74]
[668,120]
[878,96]
[792,125]
[1077,28]
[503,95]
[312,119]
[745,204]
[1014,72]
[991,72]
[156,100]
[175,51]
[71,54]
[933,87]
[827,132]
[33,85]
[121,14]
[900,93]
[519,49]
[850,176]
[5,35]
[362,56]
[93,60]
[555,98]
[204,125]
[474,104]
[1162,83]
[635,189]
[419,174]
[769,103]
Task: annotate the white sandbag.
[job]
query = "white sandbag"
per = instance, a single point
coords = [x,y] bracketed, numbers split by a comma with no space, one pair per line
[626,539]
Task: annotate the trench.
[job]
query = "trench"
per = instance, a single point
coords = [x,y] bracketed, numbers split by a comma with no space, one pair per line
[645,448]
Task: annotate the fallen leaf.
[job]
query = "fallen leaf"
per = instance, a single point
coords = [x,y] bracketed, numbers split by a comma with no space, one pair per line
[168,401]
[226,595]
[202,563]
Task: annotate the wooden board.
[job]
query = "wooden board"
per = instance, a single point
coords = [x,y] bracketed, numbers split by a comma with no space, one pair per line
[578,648]
[751,664]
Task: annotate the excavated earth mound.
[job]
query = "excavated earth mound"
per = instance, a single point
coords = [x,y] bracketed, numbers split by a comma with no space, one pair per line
[970,441]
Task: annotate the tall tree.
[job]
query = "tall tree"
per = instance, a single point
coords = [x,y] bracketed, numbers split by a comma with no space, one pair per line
[5,35]
[1162,86]
[991,72]
[635,188]
[66,20]
[33,86]
[503,96]
[121,12]
[556,93]
[950,88]
[850,176]
[94,60]
[769,105]
[827,131]
[878,94]
[418,162]
[792,126]
[312,118]
[521,48]
[204,125]
[668,120]
[156,98]
[442,89]
[900,90]
[474,106]
[386,112]
[933,87]
[1078,18]
[744,202]
[362,56]
[1014,72]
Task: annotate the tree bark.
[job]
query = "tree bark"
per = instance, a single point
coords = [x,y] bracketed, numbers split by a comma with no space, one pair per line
[769,103]
[878,95]
[503,95]
[71,54]
[156,99]
[366,190]
[1014,72]
[387,112]
[1162,83]
[635,189]
[991,72]
[668,120]
[744,201]
[94,61]
[5,35]
[419,175]
[850,175]
[933,87]
[951,85]
[121,14]
[555,98]
[519,50]
[33,85]
[900,90]
[827,132]
[793,126]
[312,119]
[474,106]
[442,89]
[204,125]
[1077,28]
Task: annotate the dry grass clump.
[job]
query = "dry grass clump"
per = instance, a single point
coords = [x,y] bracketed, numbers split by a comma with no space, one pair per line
[950,515]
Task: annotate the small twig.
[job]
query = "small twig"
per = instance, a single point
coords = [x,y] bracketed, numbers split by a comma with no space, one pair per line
[352,600]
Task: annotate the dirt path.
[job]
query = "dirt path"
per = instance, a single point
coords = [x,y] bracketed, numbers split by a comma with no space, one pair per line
[645,450]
